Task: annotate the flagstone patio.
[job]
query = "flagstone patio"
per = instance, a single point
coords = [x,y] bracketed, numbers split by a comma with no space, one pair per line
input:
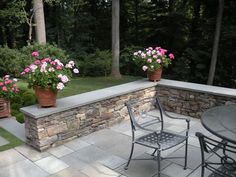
[102,154]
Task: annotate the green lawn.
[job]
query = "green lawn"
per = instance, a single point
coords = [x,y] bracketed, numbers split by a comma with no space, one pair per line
[86,84]
[13,141]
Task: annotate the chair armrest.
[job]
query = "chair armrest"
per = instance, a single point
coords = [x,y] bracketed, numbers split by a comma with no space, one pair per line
[172,117]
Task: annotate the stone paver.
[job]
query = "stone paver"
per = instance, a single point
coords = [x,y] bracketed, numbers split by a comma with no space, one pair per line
[23,168]
[60,151]
[51,164]
[31,153]
[3,141]
[98,170]
[104,154]
[176,171]
[10,157]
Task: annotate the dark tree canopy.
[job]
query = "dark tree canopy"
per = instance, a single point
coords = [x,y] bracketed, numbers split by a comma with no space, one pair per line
[186,27]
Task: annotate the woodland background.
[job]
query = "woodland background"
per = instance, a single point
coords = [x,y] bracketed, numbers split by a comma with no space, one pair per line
[82,29]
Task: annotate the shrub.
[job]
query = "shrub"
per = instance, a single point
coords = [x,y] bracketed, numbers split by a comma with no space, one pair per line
[96,64]
[12,61]
[46,50]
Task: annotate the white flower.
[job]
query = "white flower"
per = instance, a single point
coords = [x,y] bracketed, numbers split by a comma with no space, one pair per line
[68,65]
[143,55]
[15,79]
[76,71]
[59,76]
[135,53]
[51,69]
[72,63]
[139,51]
[144,68]
[60,86]
[64,79]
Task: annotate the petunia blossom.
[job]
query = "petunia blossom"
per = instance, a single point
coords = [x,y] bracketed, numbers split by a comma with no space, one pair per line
[64,79]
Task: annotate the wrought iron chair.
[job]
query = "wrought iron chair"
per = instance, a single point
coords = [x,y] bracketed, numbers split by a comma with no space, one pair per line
[222,162]
[147,115]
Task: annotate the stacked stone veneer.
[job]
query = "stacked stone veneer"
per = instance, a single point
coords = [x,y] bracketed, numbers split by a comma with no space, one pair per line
[53,127]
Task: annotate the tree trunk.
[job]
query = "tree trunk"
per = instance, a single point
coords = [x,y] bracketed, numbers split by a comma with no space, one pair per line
[216,42]
[115,71]
[39,22]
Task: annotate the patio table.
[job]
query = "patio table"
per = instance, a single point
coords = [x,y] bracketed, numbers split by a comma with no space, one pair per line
[221,121]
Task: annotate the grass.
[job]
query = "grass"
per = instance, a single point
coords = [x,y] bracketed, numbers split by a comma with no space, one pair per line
[86,84]
[13,141]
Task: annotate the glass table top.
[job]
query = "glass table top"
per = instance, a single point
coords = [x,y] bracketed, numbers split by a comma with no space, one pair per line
[221,121]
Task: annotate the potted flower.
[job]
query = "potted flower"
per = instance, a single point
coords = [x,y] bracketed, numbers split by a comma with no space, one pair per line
[47,76]
[8,89]
[152,60]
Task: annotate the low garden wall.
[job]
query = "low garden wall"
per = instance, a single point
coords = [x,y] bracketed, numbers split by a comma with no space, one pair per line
[82,114]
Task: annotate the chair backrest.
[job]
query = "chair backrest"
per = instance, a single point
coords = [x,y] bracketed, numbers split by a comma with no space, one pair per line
[222,161]
[145,113]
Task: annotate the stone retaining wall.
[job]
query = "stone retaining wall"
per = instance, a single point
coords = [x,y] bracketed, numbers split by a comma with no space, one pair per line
[57,128]
[82,114]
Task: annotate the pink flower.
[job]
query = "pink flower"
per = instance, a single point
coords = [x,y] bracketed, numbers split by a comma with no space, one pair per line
[144,68]
[171,55]
[1,83]
[4,88]
[33,67]
[37,62]
[8,81]
[53,63]
[76,71]
[150,48]
[27,70]
[23,73]
[35,54]
[158,60]
[149,60]
[60,86]
[162,51]
[59,67]
[47,59]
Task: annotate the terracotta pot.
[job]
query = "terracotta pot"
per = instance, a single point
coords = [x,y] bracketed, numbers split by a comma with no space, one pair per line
[45,96]
[5,108]
[155,75]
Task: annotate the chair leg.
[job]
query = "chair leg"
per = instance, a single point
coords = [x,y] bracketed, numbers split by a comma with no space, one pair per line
[203,170]
[186,154]
[130,156]
[159,163]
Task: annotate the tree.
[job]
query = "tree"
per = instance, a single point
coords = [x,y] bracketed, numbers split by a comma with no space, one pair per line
[216,42]
[39,21]
[115,71]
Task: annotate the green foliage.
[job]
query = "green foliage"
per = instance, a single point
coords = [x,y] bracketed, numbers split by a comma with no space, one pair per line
[12,61]
[96,64]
